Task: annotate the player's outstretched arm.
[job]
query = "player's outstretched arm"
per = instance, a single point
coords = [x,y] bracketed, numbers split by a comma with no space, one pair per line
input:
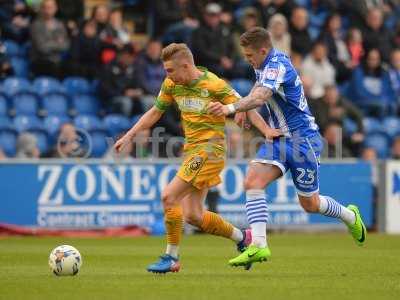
[256,98]
[145,122]
[258,121]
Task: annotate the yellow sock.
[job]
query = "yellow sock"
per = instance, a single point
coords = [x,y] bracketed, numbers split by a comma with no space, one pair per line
[173,225]
[216,225]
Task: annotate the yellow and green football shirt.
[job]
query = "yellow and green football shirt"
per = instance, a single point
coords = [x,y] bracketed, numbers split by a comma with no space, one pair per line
[199,126]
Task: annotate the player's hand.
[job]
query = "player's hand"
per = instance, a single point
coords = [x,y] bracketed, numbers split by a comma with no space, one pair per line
[122,143]
[271,133]
[241,120]
[217,109]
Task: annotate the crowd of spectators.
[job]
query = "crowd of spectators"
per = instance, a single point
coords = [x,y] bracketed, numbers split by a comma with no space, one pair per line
[346,52]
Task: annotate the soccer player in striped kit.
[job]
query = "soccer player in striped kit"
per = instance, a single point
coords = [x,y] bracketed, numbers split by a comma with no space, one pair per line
[279,87]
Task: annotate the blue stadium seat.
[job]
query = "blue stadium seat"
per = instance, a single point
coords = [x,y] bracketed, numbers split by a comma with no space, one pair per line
[392,126]
[372,125]
[27,123]
[5,123]
[94,85]
[55,104]
[20,66]
[77,85]
[379,142]
[8,141]
[42,140]
[15,85]
[84,104]
[242,86]
[116,124]
[25,104]
[88,122]
[349,126]
[99,143]
[3,106]
[47,85]
[52,124]
[12,48]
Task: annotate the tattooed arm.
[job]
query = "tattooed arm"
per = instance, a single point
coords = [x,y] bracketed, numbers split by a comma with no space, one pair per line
[257,97]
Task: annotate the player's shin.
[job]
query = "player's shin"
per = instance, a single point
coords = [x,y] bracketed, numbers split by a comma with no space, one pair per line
[173,225]
[331,208]
[257,216]
[213,223]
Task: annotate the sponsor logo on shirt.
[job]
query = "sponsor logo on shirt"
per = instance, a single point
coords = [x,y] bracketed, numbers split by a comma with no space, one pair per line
[271,74]
[191,104]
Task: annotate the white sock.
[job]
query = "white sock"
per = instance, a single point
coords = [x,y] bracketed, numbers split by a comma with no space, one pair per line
[259,234]
[330,208]
[237,235]
[172,250]
[257,216]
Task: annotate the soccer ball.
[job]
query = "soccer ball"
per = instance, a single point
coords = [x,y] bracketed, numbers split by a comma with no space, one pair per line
[65,260]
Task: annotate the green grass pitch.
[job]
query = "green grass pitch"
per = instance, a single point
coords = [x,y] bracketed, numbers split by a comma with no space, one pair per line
[303,266]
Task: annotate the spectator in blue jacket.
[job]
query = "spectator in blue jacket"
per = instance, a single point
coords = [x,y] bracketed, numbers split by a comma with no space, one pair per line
[150,68]
[394,73]
[370,86]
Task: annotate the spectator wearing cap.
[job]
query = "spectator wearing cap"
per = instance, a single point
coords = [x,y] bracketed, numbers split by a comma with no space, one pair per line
[301,40]
[49,41]
[213,45]
[376,35]
[27,146]
[317,67]
[370,86]
[280,37]
[119,86]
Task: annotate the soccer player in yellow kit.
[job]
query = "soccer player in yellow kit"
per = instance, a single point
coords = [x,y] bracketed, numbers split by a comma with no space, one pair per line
[192,88]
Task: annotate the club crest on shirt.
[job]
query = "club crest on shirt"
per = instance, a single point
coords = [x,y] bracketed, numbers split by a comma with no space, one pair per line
[193,164]
[204,93]
[271,74]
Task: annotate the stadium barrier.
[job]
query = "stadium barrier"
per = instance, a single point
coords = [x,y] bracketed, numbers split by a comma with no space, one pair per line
[388,214]
[86,194]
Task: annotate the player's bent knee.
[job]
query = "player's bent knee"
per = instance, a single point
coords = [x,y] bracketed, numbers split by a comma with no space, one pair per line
[252,182]
[167,200]
[309,204]
[193,219]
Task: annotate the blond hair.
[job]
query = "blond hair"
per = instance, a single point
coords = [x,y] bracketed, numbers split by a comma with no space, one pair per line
[174,50]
